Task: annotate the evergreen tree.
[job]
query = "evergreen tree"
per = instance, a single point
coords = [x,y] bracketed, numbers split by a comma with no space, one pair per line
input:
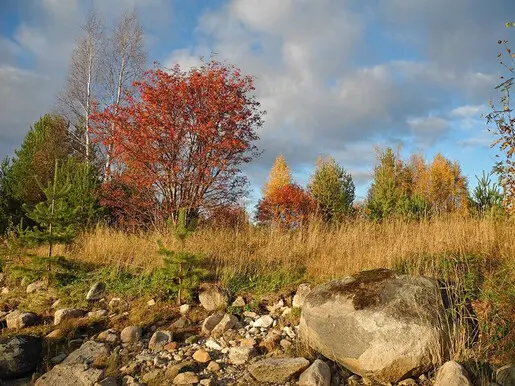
[333,189]
[10,209]
[182,270]
[279,177]
[33,166]
[54,217]
[486,196]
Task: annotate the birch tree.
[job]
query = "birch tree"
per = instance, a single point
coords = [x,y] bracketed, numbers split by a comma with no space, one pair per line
[83,73]
[124,61]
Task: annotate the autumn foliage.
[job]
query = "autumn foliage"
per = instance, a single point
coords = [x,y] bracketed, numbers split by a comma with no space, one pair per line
[180,141]
[288,206]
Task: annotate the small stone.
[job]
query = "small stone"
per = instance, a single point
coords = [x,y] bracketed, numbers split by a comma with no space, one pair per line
[57,333]
[184,309]
[96,292]
[5,290]
[212,344]
[151,303]
[109,381]
[302,292]
[271,341]
[250,314]
[151,375]
[207,382]
[264,322]
[170,347]
[58,359]
[182,322]
[277,370]
[318,374]
[248,342]
[172,371]
[227,322]
[56,303]
[160,339]
[211,322]
[241,355]
[285,344]
[67,314]
[36,286]
[213,366]
[131,334]
[97,314]
[201,356]
[239,302]
[191,339]
[109,336]
[17,319]
[353,380]
[117,304]
[186,378]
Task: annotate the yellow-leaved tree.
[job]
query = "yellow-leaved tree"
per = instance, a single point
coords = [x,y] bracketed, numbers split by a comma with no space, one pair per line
[279,176]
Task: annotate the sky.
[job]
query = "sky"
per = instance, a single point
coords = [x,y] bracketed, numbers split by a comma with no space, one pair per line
[336,77]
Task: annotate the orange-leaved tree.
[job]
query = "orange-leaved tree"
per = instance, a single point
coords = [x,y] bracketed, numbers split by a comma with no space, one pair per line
[180,141]
[288,206]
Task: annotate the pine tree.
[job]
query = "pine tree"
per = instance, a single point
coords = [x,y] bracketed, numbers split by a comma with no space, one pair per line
[54,217]
[279,177]
[182,270]
[333,189]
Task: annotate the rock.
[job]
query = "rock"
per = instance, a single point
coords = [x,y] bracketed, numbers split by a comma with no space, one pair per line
[87,353]
[213,366]
[5,290]
[505,376]
[227,322]
[19,319]
[264,321]
[201,356]
[36,286]
[174,370]
[58,358]
[213,344]
[109,336]
[239,302]
[211,322]
[186,378]
[300,296]
[118,304]
[213,297]
[241,355]
[452,374]
[170,347]
[318,374]
[57,333]
[271,341]
[109,381]
[353,380]
[19,356]
[97,314]
[407,382]
[207,382]
[182,322]
[96,292]
[159,340]
[70,375]
[275,307]
[151,303]
[184,309]
[151,375]
[191,339]
[378,324]
[67,314]
[56,304]
[248,342]
[131,334]
[277,370]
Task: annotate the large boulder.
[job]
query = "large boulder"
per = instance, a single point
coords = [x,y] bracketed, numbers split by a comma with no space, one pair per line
[18,320]
[452,374]
[19,356]
[378,324]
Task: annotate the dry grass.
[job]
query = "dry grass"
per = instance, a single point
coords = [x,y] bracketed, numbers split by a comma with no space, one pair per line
[323,253]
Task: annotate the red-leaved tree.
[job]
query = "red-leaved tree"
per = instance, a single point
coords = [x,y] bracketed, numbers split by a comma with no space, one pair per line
[287,206]
[180,141]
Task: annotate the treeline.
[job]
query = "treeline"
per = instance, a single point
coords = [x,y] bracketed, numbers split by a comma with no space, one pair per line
[409,190]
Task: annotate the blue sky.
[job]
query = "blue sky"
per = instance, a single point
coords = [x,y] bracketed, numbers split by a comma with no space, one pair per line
[337,77]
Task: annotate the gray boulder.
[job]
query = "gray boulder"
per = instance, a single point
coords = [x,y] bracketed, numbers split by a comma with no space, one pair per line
[159,340]
[131,334]
[19,356]
[67,314]
[96,292]
[318,374]
[19,319]
[452,374]
[378,324]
